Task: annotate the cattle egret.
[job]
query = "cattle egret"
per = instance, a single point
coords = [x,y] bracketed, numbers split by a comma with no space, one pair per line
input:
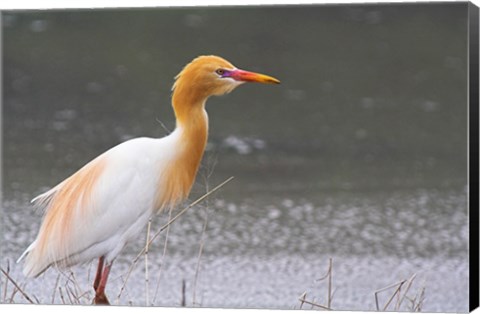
[107,203]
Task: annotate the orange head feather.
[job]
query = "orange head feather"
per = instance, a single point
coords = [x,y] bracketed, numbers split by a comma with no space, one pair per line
[206,76]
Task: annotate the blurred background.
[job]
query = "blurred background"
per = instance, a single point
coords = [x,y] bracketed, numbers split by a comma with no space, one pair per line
[360,155]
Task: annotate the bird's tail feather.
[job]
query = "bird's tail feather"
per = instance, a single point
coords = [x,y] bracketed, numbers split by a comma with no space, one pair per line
[31,269]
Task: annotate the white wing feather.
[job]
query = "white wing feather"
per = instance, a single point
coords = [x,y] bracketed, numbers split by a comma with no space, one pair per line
[120,205]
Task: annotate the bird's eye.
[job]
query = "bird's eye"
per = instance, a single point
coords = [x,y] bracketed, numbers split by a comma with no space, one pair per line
[220,71]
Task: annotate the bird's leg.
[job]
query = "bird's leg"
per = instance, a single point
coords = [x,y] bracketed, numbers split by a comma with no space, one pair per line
[99,273]
[100,297]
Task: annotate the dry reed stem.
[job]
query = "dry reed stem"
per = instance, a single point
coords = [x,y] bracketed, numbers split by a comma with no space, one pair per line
[71,295]
[146,262]
[164,253]
[417,306]
[409,285]
[384,289]
[17,287]
[200,252]
[4,298]
[397,292]
[55,288]
[329,296]
[328,275]
[304,301]
[302,298]
[401,295]
[163,125]
[6,282]
[14,292]
[202,240]
[76,286]
[183,303]
[61,295]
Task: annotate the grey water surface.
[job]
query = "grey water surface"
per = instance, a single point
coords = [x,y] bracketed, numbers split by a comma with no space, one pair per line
[359,156]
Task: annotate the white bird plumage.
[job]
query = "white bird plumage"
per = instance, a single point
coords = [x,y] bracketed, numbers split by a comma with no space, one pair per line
[95,212]
[131,169]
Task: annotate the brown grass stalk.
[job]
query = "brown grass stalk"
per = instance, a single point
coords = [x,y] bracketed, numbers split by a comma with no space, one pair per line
[409,285]
[17,286]
[146,263]
[61,295]
[402,288]
[164,253]
[202,242]
[329,296]
[304,301]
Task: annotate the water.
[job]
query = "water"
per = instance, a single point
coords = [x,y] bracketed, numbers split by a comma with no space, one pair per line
[359,156]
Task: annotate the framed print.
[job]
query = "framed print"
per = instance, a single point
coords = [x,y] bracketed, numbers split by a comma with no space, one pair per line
[291,157]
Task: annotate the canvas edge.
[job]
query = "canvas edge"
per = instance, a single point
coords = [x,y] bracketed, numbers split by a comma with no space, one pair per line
[473,95]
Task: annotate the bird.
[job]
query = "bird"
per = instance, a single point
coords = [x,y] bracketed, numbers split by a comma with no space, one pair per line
[96,211]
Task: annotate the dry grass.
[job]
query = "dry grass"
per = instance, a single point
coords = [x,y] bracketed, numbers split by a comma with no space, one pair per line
[399,295]
[206,179]
[147,277]
[16,288]
[394,295]
[70,292]
[328,306]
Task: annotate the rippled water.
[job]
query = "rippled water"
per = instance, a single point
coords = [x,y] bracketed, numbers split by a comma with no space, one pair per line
[359,156]
[260,253]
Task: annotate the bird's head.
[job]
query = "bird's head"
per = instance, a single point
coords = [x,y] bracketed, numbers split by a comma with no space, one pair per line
[212,75]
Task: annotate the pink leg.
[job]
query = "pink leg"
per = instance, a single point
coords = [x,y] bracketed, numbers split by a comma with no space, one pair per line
[100,297]
[99,273]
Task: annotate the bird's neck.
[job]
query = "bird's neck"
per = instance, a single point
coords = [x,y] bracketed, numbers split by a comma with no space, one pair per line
[191,120]
[191,134]
[193,130]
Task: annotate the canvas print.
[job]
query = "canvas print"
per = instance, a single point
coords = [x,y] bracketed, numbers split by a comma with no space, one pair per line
[274,157]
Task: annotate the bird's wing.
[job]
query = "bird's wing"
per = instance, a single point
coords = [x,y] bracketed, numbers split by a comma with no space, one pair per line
[94,207]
